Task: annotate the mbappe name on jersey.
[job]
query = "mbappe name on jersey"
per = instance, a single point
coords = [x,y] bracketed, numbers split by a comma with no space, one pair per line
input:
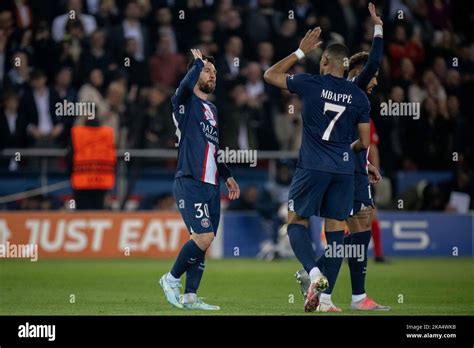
[337,97]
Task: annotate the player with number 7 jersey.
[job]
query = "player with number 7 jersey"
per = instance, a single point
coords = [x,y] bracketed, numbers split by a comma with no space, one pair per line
[323,183]
[332,107]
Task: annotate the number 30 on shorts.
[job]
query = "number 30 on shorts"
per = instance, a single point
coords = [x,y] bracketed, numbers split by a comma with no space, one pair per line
[201,210]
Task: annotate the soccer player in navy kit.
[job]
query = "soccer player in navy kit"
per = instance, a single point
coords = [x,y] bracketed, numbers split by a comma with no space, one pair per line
[363,71]
[196,185]
[323,183]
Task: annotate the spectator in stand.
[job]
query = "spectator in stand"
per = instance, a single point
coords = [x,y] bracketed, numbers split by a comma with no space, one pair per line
[206,36]
[96,56]
[74,11]
[71,49]
[92,92]
[65,91]
[263,23]
[114,114]
[166,67]
[19,75]
[231,25]
[38,103]
[131,27]
[230,63]
[288,125]
[107,15]
[154,128]
[43,45]
[240,120]
[399,48]
[136,71]
[286,40]
[12,128]
[265,54]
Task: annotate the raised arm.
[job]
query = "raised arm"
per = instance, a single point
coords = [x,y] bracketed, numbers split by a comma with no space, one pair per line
[375,54]
[186,86]
[276,75]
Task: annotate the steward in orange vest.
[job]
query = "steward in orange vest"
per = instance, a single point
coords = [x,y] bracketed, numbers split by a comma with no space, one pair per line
[94,158]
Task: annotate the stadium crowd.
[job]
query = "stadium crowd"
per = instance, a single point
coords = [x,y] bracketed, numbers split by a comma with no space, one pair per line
[129,56]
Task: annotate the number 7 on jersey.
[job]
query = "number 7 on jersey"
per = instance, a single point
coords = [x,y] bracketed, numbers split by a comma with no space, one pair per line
[339,109]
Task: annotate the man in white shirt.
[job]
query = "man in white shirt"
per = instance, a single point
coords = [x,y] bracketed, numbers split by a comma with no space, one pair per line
[130,28]
[59,24]
[39,105]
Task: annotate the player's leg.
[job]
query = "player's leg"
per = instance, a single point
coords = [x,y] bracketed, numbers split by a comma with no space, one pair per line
[305,196]
[301,244]
[195,271]
[359,225]
[376,236]
[187,192]
[336,207]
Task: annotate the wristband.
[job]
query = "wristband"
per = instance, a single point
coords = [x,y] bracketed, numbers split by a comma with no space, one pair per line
[299,53]
[378,30]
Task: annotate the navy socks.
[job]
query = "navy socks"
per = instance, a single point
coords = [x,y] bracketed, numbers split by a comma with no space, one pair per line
[331,264]
[188,256]
[358,264]
[194,275]
[302,247]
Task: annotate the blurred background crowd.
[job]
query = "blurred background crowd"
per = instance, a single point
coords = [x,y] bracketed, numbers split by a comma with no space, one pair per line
[128,58]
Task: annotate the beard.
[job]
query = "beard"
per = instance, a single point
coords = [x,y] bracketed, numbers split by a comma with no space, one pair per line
[207,88]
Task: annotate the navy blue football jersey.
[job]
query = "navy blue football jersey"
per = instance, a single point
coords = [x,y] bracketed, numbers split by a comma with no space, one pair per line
[332,106]
[197,131]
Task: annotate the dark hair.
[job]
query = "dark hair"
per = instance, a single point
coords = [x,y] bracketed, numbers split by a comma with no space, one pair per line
[8,94]
[210,59]
[338,51]
[358,59]
[37,74]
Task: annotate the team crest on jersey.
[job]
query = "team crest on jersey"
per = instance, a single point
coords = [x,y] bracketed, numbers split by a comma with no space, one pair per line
[205,223]
[209,115]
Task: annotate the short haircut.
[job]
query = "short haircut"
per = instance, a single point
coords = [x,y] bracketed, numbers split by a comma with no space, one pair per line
[37,74]
[337,51]
[358,59]
[210,59]
[9,94]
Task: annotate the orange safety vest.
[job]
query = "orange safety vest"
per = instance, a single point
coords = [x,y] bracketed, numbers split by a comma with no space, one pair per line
[93,165]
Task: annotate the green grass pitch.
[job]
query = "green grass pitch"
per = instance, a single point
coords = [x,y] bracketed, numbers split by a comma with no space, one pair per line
[240,286]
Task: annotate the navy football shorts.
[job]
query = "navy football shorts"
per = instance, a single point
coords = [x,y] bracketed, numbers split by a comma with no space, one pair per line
[199,204]
[362,193]
[314,192]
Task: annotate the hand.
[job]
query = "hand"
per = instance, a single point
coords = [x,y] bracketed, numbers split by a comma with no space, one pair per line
[57,130]
[311,40]
[233,187]
[34,132]
[196,53]
[132,94]
[374,175]
[376,20]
